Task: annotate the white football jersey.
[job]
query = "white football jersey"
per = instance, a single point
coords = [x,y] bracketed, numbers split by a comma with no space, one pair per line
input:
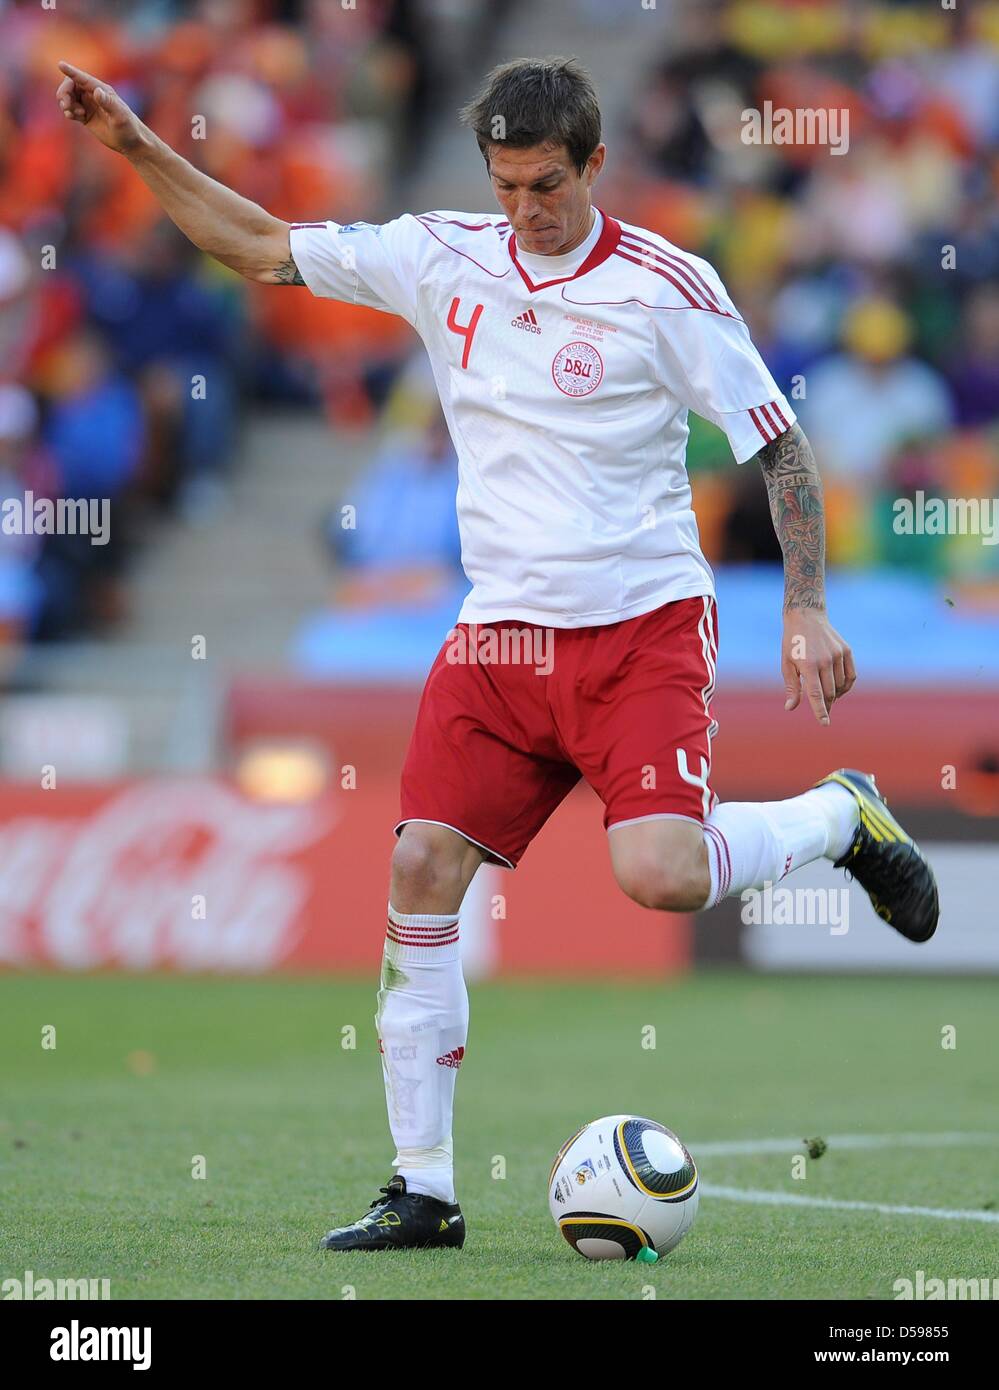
[566,398]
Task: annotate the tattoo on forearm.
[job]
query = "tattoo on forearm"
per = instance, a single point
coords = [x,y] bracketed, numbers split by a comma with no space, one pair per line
[795,492]
[288,273]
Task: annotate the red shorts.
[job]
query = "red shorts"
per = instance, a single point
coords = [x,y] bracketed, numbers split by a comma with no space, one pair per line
[513,714]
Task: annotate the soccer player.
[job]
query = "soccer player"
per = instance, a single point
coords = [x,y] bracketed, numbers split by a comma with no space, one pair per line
[567,348]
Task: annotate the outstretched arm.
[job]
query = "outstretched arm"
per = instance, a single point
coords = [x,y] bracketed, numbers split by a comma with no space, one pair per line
[222,223]
[812,653]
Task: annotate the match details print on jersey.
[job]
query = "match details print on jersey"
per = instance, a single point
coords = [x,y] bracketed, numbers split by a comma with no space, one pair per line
[566,384]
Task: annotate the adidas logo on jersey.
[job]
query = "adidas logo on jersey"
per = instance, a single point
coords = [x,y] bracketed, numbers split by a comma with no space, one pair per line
[451,1059]
[527,322]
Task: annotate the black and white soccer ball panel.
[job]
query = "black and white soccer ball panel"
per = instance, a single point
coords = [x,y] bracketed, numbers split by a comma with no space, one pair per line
[621,1184]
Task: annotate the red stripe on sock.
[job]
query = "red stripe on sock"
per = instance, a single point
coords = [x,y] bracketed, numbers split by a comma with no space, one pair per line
[725,869]
[421,940]
[728,861]
[399,926]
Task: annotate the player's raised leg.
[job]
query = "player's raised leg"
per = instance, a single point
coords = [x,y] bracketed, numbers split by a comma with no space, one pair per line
[648,754]
[682,865]
[422,1024]
[678,865]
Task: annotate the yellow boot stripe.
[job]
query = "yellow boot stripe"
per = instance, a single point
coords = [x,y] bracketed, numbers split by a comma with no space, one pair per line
[877,815]
[873,813]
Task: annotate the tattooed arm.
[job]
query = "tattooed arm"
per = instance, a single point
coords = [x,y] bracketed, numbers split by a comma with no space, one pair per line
[795,492]
[222,223]
[813,654]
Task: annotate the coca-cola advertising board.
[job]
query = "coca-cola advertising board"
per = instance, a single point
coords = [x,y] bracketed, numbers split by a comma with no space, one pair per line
[190,874]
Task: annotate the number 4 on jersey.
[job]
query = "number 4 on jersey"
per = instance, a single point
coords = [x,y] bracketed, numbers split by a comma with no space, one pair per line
[464,330]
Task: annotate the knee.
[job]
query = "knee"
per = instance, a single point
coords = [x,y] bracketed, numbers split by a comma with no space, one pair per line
[426,873]
[665,886]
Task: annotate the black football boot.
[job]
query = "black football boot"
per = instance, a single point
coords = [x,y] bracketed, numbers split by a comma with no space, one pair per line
[886,862]
[401,1220]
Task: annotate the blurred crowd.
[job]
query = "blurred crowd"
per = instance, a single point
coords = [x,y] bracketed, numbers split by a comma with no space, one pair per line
[870,280]
[125,355]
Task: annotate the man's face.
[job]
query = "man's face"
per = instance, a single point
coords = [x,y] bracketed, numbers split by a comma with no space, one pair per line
[546,199]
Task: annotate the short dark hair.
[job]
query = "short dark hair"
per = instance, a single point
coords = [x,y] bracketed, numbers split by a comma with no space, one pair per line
[537,102]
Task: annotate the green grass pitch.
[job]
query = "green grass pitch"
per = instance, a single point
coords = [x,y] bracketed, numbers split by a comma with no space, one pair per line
[98,1135]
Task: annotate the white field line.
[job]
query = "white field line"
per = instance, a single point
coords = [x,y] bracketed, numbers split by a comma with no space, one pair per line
[795,1199]
[725,1148]
[757,1196]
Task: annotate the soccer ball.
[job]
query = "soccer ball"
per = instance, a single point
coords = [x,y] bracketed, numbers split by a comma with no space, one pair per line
[623,1188]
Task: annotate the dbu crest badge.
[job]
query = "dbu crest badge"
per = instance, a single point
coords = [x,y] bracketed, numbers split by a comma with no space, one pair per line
[577,369]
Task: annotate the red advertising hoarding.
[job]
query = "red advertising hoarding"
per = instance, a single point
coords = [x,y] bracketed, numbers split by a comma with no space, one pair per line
[189,874]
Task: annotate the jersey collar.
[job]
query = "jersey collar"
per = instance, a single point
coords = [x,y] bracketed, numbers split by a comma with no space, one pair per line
[610,235]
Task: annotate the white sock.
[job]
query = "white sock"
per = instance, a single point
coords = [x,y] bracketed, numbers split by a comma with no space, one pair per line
[422,1023]
[751,843]
[843,815]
